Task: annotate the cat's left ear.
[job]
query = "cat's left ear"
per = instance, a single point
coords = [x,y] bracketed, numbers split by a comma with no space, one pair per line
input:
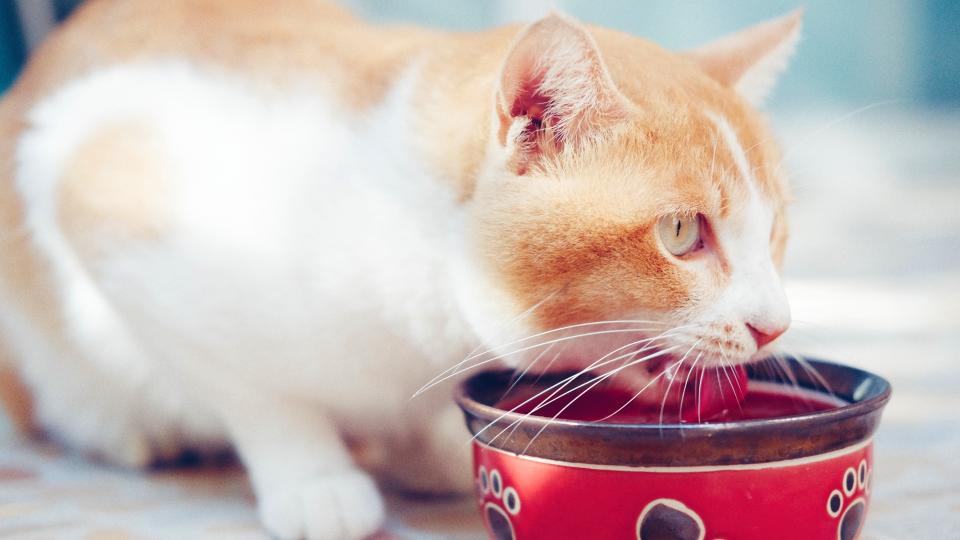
[751,60]
[553,92]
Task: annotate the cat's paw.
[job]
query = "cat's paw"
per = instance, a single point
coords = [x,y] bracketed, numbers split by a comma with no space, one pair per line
[339,506]
[497,495]
[847,504]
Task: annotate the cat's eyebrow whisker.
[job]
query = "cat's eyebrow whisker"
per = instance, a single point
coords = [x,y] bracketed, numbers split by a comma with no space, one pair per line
[833,123]
[713,159]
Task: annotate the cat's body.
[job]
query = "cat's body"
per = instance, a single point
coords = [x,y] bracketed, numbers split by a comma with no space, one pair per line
[236,222]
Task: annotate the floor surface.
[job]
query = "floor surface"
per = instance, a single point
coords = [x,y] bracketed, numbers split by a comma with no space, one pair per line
[874,279]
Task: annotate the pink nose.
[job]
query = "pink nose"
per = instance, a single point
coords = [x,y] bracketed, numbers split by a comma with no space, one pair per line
[765,336]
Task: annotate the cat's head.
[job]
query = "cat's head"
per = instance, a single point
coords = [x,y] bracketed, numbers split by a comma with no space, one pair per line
[628,183]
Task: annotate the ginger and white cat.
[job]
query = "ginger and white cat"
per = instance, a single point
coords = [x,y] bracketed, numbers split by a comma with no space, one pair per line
[267,224]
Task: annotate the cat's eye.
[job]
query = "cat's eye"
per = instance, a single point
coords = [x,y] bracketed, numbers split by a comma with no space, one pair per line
[679,234]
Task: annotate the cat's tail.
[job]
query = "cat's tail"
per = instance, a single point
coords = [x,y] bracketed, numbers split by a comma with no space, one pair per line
[16,399]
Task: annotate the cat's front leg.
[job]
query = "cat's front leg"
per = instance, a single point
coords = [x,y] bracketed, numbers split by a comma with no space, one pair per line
[306,483]
[437,459]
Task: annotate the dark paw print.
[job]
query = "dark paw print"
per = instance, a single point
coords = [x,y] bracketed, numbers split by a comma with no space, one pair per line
[493,490]
[667,519]
[847,503]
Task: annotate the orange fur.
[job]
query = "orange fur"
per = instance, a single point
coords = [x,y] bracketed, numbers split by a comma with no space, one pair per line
[578,222]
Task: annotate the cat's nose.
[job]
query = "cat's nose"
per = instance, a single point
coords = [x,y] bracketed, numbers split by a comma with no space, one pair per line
[766,333]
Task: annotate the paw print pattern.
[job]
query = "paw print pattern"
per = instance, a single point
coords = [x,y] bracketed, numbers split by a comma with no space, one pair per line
[669,519]
[502,503]
[847,504]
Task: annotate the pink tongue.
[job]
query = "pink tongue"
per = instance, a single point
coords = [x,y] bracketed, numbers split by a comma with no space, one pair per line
[705,394]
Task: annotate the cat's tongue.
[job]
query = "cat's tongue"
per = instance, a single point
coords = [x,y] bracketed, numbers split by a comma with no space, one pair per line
[702,394]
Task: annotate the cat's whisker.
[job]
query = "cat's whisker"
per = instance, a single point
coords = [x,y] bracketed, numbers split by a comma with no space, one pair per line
[633,398]
[519,317]
[594,384]
[666,394]
[530,347]
[699,390]
[725,360]
[516,378]
[682,359]
[785,366]
[554,397]
[561,329]
[474,354]
[683,391]
[649,383]
[788,371]
[561,383]
[566,381]
[546,369]
[831,124]
[730,380]
[811,371]
[631,358]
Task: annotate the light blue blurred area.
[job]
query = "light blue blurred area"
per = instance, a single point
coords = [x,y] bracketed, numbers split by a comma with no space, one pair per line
[11,43]
[854,52]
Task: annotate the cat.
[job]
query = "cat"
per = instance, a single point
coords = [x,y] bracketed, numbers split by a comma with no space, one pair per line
[266,225]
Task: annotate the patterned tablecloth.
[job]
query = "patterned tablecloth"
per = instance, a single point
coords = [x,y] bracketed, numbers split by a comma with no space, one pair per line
[874,279]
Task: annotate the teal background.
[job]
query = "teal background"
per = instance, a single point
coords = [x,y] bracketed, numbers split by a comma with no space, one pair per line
[11,44]
[854,52]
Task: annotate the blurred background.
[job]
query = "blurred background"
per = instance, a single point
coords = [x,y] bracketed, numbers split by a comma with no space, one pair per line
[854,52]
[869,117]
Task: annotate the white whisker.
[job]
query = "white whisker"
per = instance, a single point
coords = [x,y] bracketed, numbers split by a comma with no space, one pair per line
[530,347]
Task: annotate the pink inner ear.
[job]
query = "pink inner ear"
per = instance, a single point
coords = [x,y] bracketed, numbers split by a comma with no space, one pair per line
[529,102]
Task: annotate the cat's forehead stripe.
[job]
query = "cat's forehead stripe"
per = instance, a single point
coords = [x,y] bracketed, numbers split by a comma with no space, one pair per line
[733,146]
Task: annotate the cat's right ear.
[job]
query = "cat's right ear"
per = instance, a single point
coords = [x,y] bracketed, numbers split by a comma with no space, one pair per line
[554,92]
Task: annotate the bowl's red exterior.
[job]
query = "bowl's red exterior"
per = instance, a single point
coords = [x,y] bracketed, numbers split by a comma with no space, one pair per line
[523,498]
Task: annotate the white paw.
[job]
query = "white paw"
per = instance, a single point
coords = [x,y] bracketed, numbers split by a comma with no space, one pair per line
[339,506]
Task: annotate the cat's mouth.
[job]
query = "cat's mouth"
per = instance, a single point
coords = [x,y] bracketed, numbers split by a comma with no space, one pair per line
[695,393]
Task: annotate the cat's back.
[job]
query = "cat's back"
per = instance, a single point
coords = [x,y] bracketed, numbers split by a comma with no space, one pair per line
[280,43]
[199,128]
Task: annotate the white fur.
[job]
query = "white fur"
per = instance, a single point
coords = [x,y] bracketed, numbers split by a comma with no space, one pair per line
[308,257]
[757,83]
[754,294]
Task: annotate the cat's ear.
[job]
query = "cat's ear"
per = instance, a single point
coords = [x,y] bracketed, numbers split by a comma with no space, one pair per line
[553,91]
[751,60]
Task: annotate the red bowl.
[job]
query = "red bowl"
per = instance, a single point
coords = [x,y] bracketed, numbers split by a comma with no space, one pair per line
[805,476]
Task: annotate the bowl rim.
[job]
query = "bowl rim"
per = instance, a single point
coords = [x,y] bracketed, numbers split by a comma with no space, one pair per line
[860,414]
